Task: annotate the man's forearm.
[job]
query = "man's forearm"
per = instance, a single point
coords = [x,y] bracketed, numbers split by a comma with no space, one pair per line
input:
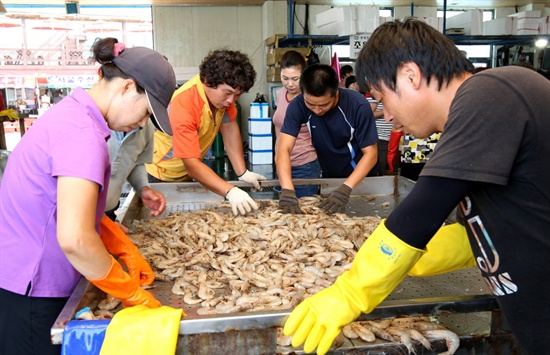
[138,178]
[364,166]
[284,171]
[207,177]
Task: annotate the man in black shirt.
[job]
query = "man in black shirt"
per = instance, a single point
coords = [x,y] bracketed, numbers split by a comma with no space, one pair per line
[491,161]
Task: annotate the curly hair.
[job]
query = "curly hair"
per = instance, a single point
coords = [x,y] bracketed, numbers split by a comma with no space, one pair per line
[411,40]
[103,52]
[228,67]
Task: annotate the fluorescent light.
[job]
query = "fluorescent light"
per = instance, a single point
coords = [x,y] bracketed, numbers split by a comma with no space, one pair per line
[541,43]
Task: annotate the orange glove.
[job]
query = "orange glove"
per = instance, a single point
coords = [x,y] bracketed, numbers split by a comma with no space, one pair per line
[119,244]
[120,285]
[393,150]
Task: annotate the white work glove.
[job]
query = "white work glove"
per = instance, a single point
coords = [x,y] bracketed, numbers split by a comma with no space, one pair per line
[252,178]
[240,202]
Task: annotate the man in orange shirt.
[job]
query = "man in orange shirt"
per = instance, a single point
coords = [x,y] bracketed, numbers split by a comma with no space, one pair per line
[199,109]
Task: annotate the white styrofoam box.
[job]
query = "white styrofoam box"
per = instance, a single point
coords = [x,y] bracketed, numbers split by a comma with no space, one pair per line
[526,31]
[366,12]
[366,25]
[336,14]
[259,109]
[260,141]
[526,14]
[385,19]
[344,28]
[527,22]
[471,21]
[259,125]
[544,25]
[260,157]
[324,29]
[528,25]
[340,28]
[435,22]
[499,26]
[264,169]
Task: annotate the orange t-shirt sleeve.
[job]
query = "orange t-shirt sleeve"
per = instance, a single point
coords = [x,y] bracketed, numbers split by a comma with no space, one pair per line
[185,118]
[231,111]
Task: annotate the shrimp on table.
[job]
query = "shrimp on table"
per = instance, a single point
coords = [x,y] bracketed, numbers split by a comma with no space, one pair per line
[451,339]
[404,338]
[364,333]
[416,335]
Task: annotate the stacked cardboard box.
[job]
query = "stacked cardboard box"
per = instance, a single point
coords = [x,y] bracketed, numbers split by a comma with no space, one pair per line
[260,138]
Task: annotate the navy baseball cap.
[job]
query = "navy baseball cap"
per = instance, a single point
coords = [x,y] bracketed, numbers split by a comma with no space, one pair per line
[152,71]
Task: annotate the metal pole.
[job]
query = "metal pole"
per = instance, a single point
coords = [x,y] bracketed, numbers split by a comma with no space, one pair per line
[444,17]
[290,17]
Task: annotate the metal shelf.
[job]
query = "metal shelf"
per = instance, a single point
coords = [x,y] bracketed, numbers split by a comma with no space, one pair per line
[495,40]
[311,40]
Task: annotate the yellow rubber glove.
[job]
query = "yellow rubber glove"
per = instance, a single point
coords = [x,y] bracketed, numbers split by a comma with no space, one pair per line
[140,330]
[380,265]
[120,285]
[447,251]
[119,244]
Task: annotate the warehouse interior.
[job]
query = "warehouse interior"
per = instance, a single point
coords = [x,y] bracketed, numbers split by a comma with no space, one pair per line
[185,31]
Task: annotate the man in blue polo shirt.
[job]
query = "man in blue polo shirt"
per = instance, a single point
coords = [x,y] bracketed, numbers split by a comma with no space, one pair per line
[343,133]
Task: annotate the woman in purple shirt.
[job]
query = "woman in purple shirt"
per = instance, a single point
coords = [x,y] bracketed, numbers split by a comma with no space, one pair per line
[53,196]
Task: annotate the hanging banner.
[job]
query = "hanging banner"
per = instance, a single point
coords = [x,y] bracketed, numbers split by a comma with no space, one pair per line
[71,81]
[356,42]
[25,81]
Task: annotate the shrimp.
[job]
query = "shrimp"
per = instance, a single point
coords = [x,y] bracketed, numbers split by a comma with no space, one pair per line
[382,324]
[108,303]
[408,322]
[416,335]
[404,338]
[103,314]
[188,299]
[282,339]
[349,332]
[381,333]
[451,339]
[363,332]
[425,326]
[84,314]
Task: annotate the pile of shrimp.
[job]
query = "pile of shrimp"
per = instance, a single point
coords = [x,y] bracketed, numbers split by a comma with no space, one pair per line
[265,260]
[412,332]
